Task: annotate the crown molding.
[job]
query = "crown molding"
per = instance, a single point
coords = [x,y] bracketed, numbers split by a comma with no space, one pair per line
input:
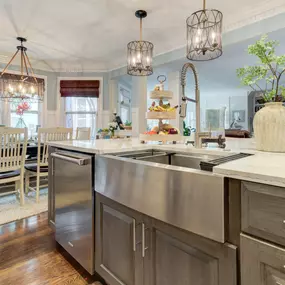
[255,16]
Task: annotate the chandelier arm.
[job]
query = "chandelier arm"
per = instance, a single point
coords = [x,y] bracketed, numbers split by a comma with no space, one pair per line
[32,71]
[9,63]
[26,67]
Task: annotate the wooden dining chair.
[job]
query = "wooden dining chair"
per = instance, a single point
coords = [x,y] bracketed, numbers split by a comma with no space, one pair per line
[13,145]
[83,133]
[40,169]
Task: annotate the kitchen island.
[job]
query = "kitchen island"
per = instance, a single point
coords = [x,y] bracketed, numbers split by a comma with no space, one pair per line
[151,210]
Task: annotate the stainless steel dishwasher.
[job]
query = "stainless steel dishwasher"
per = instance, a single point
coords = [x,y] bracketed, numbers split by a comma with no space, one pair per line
[73,182]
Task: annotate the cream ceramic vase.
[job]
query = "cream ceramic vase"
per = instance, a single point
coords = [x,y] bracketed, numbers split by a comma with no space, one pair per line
[269,127]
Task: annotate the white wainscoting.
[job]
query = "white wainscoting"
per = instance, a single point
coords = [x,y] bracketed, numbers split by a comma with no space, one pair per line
[135,122]
[51,119]
[104,117]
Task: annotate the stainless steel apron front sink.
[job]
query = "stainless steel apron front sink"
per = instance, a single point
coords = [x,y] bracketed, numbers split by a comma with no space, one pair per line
[166,186]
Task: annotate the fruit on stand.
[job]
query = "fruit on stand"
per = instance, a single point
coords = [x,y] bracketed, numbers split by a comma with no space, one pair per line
[150,133]
[163,108]
[155,129]
[167,127]
[172,131]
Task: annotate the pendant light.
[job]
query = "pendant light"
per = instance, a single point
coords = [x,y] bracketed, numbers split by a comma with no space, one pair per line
[204,34]
[25,86]
[140,53]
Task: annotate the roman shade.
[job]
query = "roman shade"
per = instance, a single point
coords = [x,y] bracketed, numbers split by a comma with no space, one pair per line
[79,88]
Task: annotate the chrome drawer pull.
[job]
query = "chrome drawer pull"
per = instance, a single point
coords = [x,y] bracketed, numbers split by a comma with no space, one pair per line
[70,244]
[143,240]
[134,235]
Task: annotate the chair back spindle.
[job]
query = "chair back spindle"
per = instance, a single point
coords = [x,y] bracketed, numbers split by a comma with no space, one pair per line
[46,135]
[13,147]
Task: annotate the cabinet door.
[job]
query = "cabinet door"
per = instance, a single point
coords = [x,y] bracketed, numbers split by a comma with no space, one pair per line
[184,258]
[261,263]
[118,243]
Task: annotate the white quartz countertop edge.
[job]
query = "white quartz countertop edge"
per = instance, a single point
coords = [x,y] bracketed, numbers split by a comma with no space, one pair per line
[263,179]
[266,168]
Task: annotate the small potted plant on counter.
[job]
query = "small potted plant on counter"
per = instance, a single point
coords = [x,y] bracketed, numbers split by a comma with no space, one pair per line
[128,126]
[265,77]
[112,127]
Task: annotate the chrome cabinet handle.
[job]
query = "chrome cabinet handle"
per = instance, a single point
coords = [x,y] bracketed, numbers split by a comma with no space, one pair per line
[134,235]
[143,240]
[52,166]
[69,158]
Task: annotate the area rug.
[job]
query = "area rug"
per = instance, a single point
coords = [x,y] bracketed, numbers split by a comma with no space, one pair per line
[10,209]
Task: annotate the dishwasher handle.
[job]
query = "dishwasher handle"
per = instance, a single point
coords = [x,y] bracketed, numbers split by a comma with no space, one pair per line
[70,158]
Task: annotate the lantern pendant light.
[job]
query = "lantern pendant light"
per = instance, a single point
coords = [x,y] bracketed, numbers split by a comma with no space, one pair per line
[140,53]
[204,34]
[25,86]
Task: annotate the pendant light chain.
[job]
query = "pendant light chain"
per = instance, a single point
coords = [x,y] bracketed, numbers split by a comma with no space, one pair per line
[204,4]
[140,29]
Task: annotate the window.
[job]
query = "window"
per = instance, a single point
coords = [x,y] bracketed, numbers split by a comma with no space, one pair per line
[81,112]
[29,119]
[125,103]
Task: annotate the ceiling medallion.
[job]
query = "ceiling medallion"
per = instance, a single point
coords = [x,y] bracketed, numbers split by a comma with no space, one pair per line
[204,34]
[24,86]
[140,53]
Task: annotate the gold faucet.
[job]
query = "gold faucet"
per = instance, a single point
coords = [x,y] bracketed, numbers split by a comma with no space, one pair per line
[183,106]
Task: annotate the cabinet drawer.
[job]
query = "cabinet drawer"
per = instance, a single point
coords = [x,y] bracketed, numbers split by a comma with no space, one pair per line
[261,263]
[263,211]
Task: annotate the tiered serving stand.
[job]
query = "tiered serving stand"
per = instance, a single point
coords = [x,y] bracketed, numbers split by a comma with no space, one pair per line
[160,116]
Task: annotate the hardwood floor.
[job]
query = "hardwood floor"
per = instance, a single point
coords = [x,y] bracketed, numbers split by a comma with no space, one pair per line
[29,255]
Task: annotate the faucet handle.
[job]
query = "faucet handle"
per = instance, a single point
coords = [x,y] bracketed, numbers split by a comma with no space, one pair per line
[183,109]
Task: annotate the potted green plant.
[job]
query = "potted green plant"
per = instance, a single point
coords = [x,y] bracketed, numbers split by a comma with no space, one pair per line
[265,77]
[128,125]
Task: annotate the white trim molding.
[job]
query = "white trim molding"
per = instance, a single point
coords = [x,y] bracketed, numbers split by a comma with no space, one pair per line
[60,107]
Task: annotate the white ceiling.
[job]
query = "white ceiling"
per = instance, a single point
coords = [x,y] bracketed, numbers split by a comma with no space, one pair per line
[87,35]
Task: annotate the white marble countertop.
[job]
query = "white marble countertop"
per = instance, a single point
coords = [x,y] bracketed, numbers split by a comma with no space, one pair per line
[267,168]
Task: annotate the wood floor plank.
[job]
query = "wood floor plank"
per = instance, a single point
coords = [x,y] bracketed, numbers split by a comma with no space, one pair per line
[29,255]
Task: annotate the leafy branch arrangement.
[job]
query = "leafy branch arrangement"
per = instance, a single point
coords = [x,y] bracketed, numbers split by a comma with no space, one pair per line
[268,71]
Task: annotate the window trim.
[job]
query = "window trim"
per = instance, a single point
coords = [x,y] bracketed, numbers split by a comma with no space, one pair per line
[128,105]
[60,112]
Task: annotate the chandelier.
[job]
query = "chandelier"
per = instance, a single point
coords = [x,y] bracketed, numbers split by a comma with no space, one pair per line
[140,53]
[24,86]
[204,34]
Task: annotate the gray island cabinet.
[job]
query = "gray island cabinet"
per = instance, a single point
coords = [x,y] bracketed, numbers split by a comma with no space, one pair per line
[134,249]
[154,221]
[263,238]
